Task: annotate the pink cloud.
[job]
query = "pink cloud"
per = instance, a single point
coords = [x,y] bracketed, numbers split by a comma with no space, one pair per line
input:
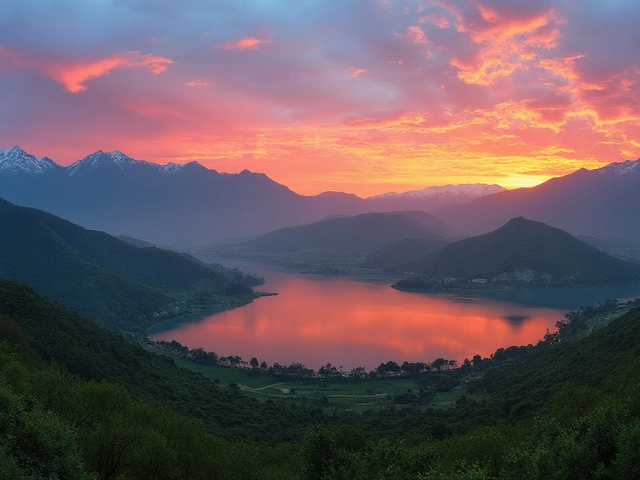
[438,19]
[199,82]
[74,75]
[247,43]
[414,34]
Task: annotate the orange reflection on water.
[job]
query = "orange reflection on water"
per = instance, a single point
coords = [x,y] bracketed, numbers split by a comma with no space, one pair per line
[315,320]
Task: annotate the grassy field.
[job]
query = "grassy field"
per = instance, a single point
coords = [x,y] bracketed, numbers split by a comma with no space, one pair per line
[356,395]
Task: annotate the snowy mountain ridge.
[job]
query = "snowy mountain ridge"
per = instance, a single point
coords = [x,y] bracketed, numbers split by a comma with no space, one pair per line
[628,167]
[17,161]
[474,190]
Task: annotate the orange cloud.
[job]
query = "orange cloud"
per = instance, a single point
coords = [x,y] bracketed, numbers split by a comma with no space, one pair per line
[356,72]
[507,44]
[566,69]
[74,75]
[248,43]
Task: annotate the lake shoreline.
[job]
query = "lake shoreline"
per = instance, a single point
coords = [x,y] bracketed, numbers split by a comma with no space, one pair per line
[204,313]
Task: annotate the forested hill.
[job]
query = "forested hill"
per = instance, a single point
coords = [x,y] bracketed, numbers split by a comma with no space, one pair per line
[360,234]
[116,284]
[524,251]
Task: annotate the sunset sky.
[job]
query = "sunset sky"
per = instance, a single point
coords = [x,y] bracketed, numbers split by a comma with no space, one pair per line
[362,96]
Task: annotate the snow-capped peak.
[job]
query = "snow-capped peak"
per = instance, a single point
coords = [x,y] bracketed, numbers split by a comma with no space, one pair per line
[475,190]
[628,167]
[15,160]
[171,168]
[98,158]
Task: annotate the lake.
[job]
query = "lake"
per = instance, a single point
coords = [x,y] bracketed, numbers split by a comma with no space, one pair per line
[351,322]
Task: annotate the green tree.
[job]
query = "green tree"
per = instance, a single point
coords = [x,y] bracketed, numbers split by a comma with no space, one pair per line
[319,453]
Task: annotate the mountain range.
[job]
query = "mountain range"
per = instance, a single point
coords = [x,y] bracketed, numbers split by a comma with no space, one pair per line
[431,199]
[188,204]
[184,204]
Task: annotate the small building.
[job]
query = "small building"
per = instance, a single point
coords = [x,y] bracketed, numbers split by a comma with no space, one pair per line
[479,280]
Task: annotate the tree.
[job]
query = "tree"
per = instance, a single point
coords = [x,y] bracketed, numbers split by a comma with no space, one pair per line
[254,362]
[466,366]
[476,360]
[319,453]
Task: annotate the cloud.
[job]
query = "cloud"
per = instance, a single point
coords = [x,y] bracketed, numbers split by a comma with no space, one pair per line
[414,34]
[247,43]
[199,82]
[73,74]
[356,72]
[438,19]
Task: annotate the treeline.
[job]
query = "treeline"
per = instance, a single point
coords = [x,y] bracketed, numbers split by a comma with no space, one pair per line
[579,321]
[299,370]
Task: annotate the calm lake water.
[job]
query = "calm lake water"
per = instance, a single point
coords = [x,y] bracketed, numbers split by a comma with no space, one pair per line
[353,322]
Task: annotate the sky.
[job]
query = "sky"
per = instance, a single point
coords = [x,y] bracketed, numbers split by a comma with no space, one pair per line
[361,96]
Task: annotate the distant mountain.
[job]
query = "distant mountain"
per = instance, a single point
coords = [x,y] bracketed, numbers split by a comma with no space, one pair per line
[433,198]
[526,252]
[115,283]
[171,204]
[355,236]
[601,203]
[402,251]
[15,161]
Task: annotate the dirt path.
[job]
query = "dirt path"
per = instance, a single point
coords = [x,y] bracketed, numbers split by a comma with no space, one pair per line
[250,389]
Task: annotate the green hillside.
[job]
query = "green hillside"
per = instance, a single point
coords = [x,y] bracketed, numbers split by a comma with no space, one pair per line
[115,283]
[402,251]
[92,353]
[526,252]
